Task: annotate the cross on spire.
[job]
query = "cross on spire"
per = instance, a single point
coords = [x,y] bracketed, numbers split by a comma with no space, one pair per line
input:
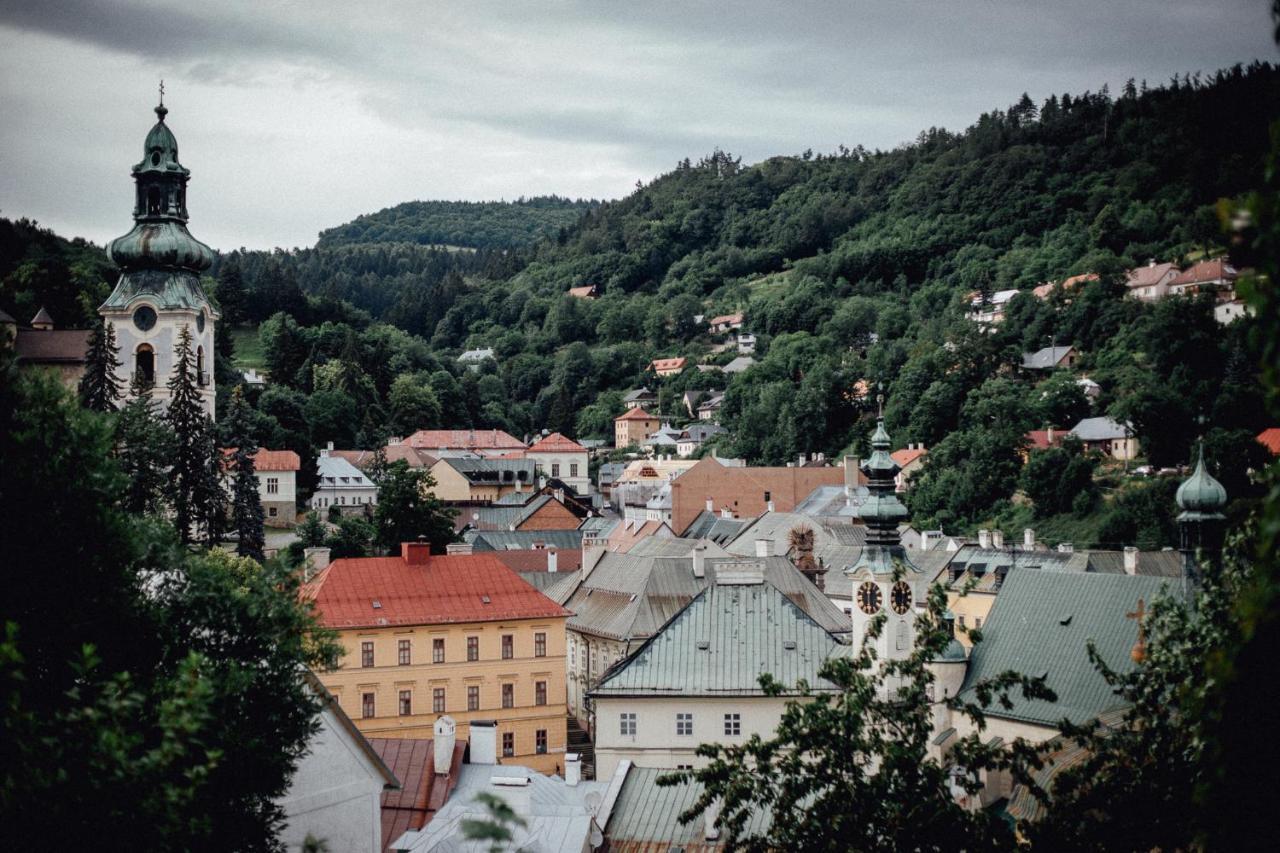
[162,92]
[1139,652]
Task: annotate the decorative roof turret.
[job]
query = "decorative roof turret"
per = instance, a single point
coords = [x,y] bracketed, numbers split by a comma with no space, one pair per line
[159,257]
[1201,496]
[882,511]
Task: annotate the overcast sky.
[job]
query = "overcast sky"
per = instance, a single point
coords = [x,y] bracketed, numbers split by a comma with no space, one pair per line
[296,116]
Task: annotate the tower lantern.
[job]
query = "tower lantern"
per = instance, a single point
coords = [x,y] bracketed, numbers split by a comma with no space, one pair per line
[160,264]
[1201,499]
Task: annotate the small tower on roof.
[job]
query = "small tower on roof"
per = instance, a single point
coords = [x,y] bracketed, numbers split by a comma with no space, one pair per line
[160,264]
[884,579]
[1201,499]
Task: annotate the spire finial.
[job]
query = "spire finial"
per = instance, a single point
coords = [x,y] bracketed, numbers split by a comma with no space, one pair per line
[161,110]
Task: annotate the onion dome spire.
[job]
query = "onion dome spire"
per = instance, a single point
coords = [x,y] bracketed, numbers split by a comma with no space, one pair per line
[882,511]
[1200,523]
[1200,495]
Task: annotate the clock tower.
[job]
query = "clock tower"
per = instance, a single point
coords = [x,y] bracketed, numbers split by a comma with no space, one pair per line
[160,265]
[884,579]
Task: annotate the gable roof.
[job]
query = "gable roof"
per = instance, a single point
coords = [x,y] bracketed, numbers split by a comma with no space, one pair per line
[907,455]
[422,791]
[1038,439]
[739,364]
[276,460]
[363,459]
[534,560]
[638,395]
[335,468]
[646,817]
[488,471]
[373,592]
[1149,275]
[1045,358]
[726,318]
[668,363]
[1042,621]
[50,346]
[519,540]
[1100,429]
[723,640]
[1203,271]
[637,414]
[556,443]
[1270,439]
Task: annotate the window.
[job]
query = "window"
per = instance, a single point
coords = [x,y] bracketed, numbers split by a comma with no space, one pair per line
[540,645]
[366,653]
[473,698]
[540,693]
[977,621]
[508,695]
[960,620]
[273,485]
[628,724]
[540,741]
[473,648]
[555,469]
[573,469]
[271,512]
[508,744]
[437,650]
[733,724]
[508,647]
[684,725]
[684,766]
[768,496]
[406,703]
[406,655]
[437,700]
[366,705]
[144,363]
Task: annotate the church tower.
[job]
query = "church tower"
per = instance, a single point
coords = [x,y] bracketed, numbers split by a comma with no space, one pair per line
[159,288]
[875,587]
[1201,500]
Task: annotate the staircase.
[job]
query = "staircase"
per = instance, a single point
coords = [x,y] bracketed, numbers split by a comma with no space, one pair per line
[580,743]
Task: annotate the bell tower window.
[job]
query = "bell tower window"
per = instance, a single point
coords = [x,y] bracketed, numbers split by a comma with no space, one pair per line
[144,363]
[154,207]
[200,374]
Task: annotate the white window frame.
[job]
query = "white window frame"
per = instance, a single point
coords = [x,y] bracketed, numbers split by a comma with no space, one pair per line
[627,724]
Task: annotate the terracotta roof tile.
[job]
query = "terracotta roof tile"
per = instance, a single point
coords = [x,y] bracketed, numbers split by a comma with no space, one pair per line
[373,592]
[1149,275]
[556,443]
[535,559]
[907,455]
[1206,271]
[1270,439]
[464,439]
[636,414]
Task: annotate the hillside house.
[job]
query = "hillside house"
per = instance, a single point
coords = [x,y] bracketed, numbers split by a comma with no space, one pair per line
[726,323]
[587,291]
[664,367]
[739,364]
[1050,358]
[991,312]
[1067,285]
[639,398]
[1216,276]
[1270,439]
[277,473]
[340,484]
[709,409]
[1151,283]
[561,458]
[1228,312]
[694,436]
[746,343]
[910,460]
[1103,435]
[473,358]
[42,346]
[633,427]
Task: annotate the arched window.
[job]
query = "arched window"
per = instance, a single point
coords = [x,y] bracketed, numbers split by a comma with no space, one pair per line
[200,377]
[144,363]
[153,201]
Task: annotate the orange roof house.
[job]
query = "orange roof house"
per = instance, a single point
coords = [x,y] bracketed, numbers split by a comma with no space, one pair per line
[1205,275]
[1270,439]
[668,366]
[556,443]
[484,442]
[746,492]
[633,427]
[1067,284]
[725,322]
[589,291]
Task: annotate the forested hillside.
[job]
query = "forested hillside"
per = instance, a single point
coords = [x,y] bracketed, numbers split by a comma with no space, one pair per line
[851,267]
[470,224]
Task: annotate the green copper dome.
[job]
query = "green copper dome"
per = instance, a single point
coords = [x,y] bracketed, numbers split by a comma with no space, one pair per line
[1200,494]
[882,511]
[160,150]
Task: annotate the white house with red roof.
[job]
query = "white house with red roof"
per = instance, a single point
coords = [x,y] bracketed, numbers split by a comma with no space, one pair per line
[910,459]
[560,457]
[1216,276]
[277,473]
[1151,283]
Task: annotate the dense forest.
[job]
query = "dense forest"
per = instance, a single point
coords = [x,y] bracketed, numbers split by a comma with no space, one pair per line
[851,267]
[469,224]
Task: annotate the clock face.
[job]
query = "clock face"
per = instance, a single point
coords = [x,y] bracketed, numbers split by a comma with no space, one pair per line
[869,598]
[200,322]
[900,597]
[144,318]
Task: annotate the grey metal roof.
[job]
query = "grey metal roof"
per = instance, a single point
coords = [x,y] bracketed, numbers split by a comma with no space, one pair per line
[610,471]
[478,470]
[739,364]
[647,817]
[598,525]
[1044,359]
[520,540]
[1161,564]
[1041,623]
[502,517]
[712,526]
[836,546]
[833,502]
[639,395]
[722,642]
[1100,429]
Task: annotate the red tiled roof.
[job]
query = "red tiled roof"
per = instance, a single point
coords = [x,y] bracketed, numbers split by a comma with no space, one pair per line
[584,291]
[437,590]
[1206,271]
[276,460]
[535,559]
[363,459]
[1038,439]
[556,443]
[907,455]
[1270,439]
[636,414]
[468,439]
[668,363]
[726,318]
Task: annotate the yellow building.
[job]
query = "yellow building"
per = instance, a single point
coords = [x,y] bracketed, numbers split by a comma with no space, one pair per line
[462,480]
[425,635]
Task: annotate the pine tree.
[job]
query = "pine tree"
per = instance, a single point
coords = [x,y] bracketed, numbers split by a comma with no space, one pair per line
[100,386]
[186,417]
[209,499]
[144,446]
[246,507]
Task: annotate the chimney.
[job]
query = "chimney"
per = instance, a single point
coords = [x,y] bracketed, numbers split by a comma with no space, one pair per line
[1066,548]
[997,538]
[1028,539]
[711,507]
[769,506]
[801,459]
[984,538]
[1130,560]
[318,558]
[454,549]
[484,741]
[329,447]
[444,739]
[709,817]
[725,512]
[551,561]
[572,769]
[512,786]
[850,474]
[926,536]
[415,553]
[699,560]
[764,547]
[1049,436]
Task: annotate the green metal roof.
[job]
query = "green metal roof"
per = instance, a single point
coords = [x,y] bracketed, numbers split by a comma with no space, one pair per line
[171,289]
[647,817]
[1201,496]
[1041,622]
[722,642]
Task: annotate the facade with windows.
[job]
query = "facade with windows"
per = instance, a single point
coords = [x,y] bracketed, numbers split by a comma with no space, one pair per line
[461,635]
[696,680]
[343,486]
[561,458]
